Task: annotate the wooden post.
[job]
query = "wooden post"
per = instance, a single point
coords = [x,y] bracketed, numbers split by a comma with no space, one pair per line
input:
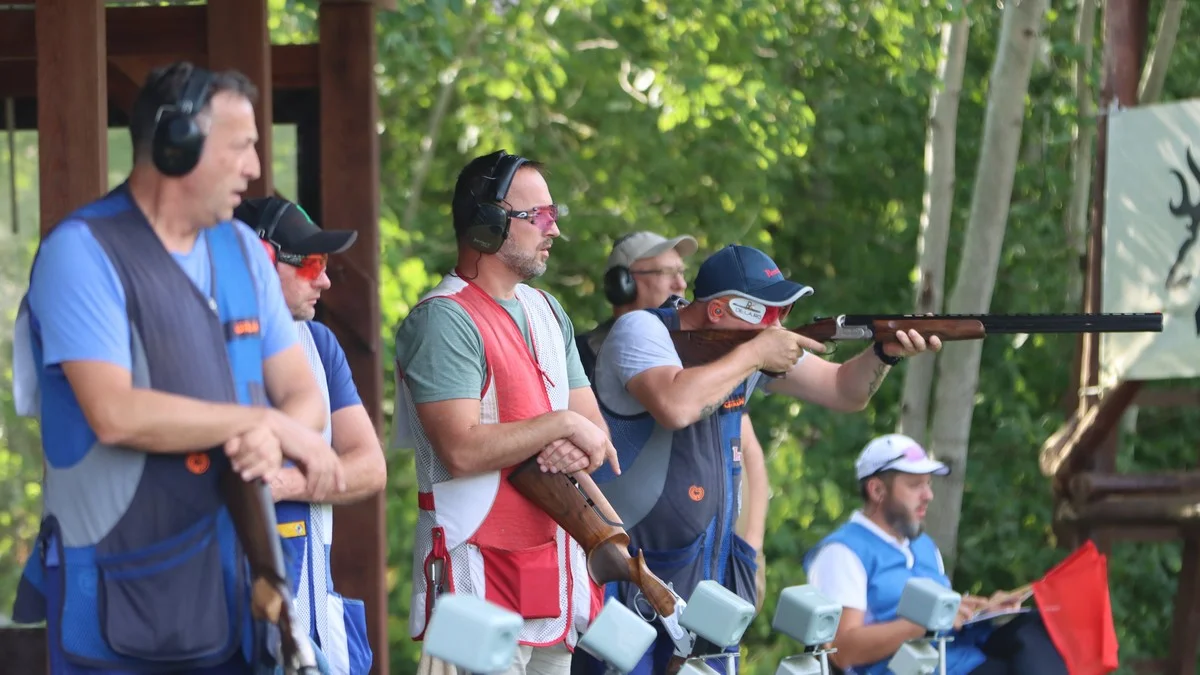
[238,38]
[72,93]
[350,199]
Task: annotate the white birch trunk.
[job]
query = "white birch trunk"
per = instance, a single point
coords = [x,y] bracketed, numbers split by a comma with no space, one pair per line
[958,371]
[1082,150]
[936,208]
[1159,60]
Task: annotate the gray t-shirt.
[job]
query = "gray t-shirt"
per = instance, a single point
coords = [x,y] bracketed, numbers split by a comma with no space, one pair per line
[441,352]
[638,342]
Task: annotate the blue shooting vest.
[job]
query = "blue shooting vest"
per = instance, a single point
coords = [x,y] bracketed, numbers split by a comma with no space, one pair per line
[138,567]
[678,496]
[337,625]
[887,573]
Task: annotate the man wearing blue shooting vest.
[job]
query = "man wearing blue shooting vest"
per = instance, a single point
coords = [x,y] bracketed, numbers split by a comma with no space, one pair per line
[677,430]
[864,564]
[164,357]
[301,251]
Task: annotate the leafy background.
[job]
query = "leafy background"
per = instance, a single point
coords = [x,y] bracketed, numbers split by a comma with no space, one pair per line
[795,127]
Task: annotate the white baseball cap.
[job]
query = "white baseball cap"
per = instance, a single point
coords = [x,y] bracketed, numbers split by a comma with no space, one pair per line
[639,245]
[897,452]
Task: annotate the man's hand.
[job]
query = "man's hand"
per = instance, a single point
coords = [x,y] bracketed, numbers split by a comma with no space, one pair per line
[779,349]
[594,442]
[910,343]
[320,464]
[562,456]
[969,607]
[255,454]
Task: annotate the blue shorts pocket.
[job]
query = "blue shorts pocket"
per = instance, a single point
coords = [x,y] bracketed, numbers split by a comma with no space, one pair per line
[167,602]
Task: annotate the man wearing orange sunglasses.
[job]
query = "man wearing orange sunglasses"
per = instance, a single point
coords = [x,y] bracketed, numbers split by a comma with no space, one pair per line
[679,429]
[301,251]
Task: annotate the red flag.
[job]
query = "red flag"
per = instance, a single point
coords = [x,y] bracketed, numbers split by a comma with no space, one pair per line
[1075,606]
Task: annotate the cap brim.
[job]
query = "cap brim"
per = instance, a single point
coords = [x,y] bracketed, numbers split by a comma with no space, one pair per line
[779,294]
[685,245]
[325,241]
[920,466]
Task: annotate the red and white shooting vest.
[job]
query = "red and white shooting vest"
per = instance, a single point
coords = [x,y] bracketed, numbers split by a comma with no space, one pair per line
[496,544]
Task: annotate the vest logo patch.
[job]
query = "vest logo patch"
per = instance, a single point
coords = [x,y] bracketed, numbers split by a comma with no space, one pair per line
[735,402]
[737,449]
[696,493]
[241,328]
[292,530]
[198,463]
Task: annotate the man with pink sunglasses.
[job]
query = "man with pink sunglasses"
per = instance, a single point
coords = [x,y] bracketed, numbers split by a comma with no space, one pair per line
[678,430]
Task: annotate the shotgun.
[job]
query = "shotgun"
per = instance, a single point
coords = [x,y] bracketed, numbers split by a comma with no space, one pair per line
[578,506]
[253,513]
[698,347]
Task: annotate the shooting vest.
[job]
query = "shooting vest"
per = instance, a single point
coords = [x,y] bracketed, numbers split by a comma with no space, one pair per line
[137,564]
[888,571]
[336,624]
[494,543]
[679,495]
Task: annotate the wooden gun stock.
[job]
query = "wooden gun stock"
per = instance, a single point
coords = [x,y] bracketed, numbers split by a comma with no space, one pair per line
[578,506]
[253,512]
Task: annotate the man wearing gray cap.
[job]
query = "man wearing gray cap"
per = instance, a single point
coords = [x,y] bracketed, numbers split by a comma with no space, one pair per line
[864,564]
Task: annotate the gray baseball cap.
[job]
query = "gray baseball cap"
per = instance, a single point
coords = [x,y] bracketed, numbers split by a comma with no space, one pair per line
[640,245]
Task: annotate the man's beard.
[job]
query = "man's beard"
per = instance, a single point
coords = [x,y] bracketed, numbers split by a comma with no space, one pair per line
[900,520]
[525,265]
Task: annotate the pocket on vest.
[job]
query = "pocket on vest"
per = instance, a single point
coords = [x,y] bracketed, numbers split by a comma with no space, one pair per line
[680,567]
[166,602]
[743,566]
[525,581]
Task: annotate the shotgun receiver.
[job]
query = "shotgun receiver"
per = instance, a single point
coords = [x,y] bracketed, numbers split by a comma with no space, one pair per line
[578,506]
[697,347]
[253,513]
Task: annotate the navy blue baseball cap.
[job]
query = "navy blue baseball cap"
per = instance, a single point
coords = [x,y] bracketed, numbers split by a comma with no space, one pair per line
[749,273]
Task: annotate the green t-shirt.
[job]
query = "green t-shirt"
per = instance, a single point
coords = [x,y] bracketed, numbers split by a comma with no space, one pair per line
[441,352]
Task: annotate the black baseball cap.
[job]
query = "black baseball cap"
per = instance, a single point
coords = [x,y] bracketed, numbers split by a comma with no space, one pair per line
[289,227]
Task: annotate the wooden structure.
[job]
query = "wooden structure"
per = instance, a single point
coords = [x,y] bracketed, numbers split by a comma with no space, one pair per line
[73,68]
[1092,500]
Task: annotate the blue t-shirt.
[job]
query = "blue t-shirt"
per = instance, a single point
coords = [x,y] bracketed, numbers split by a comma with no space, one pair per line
[78,303]
[342,392]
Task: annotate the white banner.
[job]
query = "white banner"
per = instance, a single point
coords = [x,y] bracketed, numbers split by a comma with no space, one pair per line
[1151,248]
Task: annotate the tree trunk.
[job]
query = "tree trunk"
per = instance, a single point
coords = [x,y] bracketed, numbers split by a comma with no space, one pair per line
[1081,149]
[936,209]
[1160,56]
[958,371]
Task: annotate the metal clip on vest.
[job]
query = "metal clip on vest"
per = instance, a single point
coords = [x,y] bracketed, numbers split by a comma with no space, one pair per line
[810,618]
[933,606]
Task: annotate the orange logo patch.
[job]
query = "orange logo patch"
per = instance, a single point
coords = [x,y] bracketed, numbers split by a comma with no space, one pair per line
[243,327]
[696,493]
[198,462]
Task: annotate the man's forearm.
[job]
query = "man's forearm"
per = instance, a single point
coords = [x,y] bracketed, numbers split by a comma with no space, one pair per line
[366,474]
[695,393]
[153,421]
[758,499]
[491,447]
[874,642]
[307,407]
[859,378]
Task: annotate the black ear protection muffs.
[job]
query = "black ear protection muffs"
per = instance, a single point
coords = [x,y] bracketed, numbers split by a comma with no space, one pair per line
[488,227]
[620,288]
[178,140]
[271,215]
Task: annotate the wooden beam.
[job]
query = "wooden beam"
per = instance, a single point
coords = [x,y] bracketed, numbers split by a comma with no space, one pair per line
[350,199]
[23,649]
[149,31]
[1172,397]
[238,38]
[1185,628]
[1142,510]
[1070,448]
[1092,486]
[73,115]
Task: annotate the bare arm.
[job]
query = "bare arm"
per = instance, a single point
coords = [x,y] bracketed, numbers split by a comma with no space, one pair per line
[583,401]
[292,388]
[359,453]
[845,387]
[757,487]
[466,446]
[677,397]
[152,421]
[857,644]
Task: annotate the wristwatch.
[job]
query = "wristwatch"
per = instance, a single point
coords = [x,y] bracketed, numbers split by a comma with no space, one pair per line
[887,360]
